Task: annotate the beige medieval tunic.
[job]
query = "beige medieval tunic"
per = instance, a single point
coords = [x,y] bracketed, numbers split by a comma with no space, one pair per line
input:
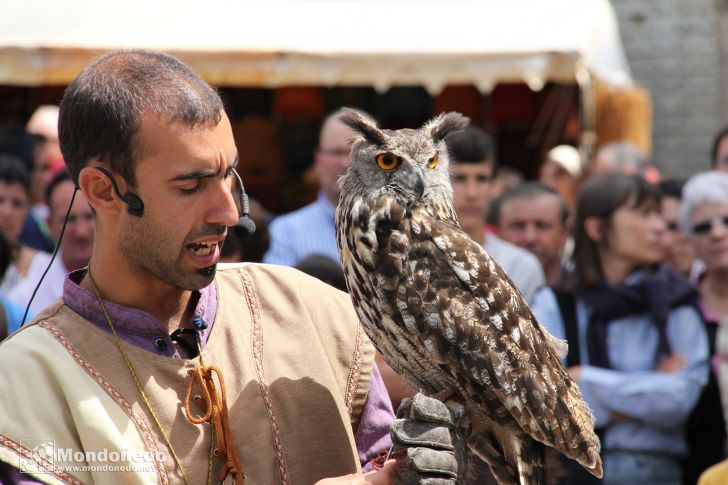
[296,365]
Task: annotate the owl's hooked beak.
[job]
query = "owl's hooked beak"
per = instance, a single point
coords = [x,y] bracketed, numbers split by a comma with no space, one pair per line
[419,186]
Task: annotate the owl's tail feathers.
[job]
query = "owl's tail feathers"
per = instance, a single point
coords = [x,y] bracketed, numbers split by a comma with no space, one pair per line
[593,464]
[523,466]
[572,429]
[532,463]
[582,443]
[584,449]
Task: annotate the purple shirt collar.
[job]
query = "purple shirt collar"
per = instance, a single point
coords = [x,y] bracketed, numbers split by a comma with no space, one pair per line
[135,326]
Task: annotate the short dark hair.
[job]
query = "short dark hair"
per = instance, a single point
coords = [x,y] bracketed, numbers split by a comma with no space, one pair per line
[671,188]
[58,177]
[102,108]
[472,145]
[528,190]
[325,269]
[14,172]
[716,145]
[601,196]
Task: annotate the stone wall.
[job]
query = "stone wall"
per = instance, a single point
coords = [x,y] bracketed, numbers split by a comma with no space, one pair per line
[674,50]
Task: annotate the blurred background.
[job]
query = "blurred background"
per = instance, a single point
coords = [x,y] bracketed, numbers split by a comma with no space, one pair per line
[535,74]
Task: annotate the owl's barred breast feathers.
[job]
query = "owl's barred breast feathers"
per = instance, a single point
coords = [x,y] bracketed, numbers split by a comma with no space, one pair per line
[442,312]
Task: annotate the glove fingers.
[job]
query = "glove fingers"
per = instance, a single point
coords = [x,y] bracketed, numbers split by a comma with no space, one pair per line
[406,433]
[412,478]
[425,462]
[423,408]
[429,438]
[437,481]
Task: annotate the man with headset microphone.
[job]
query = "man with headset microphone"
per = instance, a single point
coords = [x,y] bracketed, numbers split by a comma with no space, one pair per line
[156,366]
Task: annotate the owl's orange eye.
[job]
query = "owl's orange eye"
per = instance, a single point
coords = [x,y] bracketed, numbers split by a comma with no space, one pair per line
[434,160]
[387,161]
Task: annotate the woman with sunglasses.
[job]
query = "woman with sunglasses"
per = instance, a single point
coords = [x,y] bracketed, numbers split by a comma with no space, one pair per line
[704,218]
[640,346]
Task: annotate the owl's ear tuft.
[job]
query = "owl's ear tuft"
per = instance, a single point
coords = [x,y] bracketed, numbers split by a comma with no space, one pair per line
[446,124]
[363,125]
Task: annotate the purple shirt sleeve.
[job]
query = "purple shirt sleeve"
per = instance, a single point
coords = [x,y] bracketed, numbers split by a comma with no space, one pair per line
[372,436]
[10,475]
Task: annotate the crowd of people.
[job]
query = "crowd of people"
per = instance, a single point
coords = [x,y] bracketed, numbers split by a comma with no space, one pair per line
[630,270]
[35,195]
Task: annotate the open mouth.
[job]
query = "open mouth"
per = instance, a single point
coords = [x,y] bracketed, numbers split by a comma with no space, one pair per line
[202,249]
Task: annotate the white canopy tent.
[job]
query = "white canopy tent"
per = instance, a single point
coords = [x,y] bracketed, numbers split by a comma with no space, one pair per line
[322,42]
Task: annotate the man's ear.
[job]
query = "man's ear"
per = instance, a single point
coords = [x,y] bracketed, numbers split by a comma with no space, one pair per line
[594,229]
[97,189]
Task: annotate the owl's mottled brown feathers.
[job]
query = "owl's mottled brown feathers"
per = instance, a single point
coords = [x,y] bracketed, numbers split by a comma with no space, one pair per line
[442,312]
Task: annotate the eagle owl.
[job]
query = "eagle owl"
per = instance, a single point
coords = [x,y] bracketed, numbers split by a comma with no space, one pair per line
[442,312]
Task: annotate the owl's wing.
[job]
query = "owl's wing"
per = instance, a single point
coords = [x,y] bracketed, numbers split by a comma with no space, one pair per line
[491,333]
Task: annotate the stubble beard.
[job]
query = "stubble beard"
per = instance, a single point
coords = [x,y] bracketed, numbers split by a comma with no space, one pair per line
[149,252]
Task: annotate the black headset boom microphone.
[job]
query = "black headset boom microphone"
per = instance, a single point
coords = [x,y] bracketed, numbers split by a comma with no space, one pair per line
[135,205]
[245,224]
[55,251]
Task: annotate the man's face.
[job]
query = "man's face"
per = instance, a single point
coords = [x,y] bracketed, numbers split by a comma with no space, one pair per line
[78,240]
[535,224]
[184,178]
[471,183]
[332,156]
[721,157]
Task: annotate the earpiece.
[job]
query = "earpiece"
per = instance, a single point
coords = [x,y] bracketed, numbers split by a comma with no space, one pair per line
[133,201]
[136,206]
[245,224]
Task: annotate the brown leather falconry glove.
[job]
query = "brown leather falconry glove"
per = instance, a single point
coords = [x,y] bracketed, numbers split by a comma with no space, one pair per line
[429,441]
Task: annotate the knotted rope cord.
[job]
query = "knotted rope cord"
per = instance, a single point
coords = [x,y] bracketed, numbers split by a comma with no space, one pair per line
[216,412]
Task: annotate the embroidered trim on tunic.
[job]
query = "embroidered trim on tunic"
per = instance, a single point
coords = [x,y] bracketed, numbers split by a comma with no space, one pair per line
[43,464]
[256,344]
[352,382]
[141,423]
